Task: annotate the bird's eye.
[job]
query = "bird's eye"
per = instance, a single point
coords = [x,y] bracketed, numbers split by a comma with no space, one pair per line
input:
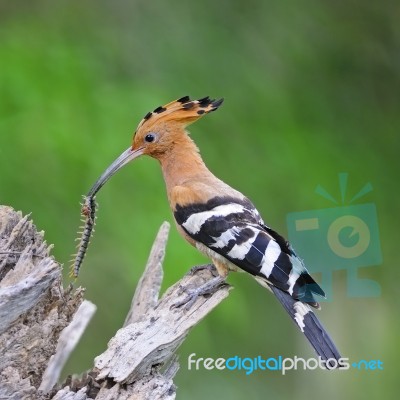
[150,137]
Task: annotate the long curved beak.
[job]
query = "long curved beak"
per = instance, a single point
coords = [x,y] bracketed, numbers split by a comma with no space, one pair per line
[127,156]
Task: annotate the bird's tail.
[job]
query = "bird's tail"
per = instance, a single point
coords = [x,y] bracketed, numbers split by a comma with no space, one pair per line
[309,324]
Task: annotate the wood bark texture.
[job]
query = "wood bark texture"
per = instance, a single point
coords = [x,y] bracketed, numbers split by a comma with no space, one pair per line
[41,322]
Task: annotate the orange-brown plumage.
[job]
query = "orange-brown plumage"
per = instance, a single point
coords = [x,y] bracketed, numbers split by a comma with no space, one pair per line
[187,178]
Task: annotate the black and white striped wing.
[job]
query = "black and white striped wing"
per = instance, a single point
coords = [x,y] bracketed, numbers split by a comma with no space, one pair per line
[234,229]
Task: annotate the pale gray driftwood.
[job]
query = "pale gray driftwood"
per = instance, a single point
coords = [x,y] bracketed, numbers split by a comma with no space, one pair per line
[148,288]
[139,363]
[34,308]
[67,341]
[45,323]
[136,348]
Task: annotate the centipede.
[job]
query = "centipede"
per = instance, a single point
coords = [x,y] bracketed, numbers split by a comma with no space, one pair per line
[88,211]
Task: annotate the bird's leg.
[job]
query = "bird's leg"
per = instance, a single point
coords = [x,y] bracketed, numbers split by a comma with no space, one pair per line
[209,287]
[208,267]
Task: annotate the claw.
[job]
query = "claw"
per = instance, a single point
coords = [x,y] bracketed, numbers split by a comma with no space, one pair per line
[209,287]
[208,267]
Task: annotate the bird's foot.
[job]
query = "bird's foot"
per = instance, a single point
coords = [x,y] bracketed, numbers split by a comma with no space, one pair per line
[209,287]
[208,267]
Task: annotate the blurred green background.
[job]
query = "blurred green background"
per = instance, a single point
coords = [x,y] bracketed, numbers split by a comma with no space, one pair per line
[311,89]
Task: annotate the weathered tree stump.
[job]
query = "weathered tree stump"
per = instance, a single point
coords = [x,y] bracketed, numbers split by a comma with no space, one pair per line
[41,323]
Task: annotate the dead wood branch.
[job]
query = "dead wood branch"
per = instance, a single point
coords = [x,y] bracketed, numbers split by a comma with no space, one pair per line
[40,324]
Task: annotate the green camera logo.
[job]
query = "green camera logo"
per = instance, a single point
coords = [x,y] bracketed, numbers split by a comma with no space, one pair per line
[342,237]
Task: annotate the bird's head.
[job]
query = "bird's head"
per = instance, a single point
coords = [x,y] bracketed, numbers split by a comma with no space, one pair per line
[159,131]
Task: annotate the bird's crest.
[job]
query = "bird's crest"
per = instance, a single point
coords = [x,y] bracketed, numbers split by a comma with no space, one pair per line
[183,110]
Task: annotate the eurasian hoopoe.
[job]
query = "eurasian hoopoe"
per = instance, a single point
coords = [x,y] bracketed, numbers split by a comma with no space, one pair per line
[220,221]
